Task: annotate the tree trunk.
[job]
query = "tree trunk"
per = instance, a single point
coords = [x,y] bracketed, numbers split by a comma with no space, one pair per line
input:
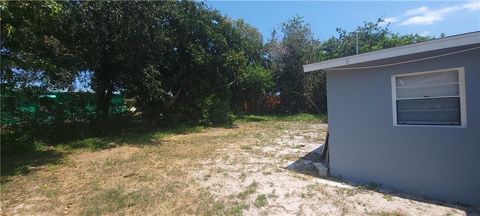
[104,95]
[175,97]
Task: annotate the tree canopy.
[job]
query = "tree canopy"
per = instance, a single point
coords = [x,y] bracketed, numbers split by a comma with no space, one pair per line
[175,61]
[302,92]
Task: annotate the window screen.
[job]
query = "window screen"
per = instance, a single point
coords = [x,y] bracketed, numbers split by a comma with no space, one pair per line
[428,98]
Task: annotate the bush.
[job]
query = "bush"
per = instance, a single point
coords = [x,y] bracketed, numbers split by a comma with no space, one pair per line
[216,111]
[254,84]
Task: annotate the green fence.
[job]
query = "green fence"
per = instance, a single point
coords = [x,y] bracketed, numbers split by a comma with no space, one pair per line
[53,106]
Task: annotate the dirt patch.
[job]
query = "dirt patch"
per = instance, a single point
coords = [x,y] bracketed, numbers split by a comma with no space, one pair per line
[282,170]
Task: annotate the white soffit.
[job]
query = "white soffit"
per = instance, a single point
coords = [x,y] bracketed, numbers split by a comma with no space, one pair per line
[436,44]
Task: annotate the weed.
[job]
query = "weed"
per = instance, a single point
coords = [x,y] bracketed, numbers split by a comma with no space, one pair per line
[48,191]
[243,176]
[261,201]
[217,209]
[348,191]
[207,176]
[238,208]
[114,200]
[249,190]
[386,213]
[258,135]
[312,189]
[246,147]
[388,197]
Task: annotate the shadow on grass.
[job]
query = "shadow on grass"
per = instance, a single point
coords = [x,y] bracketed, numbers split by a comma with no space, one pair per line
[22,158]
[304,165]
[139,137]
[24,163]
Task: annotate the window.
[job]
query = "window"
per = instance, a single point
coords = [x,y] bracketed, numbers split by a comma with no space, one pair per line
[429,98]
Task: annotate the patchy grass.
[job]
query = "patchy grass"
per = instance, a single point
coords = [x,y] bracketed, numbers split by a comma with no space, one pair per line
[252,188]
[302,117]
[148,177]
[154,164]
[388,197]
[243,176]
[246,147]
[388,213]
[114,200]
[261,201]
[22,163]
[238,208]
[348,191]
[188,170]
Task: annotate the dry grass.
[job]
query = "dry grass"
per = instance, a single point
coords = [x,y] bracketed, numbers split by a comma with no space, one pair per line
[152,179]
[212,171]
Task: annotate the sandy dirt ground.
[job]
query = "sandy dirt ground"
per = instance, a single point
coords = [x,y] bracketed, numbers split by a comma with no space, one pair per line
[282,170]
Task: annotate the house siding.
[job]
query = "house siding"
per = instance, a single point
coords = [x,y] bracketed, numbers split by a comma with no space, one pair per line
[365,147]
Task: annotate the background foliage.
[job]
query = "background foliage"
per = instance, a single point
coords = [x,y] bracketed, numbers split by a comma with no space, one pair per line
[172,62]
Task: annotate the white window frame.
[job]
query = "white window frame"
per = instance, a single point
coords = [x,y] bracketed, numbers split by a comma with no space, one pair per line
[463,103]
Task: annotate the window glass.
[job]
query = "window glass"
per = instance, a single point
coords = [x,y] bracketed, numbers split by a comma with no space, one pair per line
[428,98]
[435,111]
[444,90]
[428,79]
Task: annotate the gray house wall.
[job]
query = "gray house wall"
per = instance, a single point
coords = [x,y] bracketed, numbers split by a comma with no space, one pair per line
[436,162]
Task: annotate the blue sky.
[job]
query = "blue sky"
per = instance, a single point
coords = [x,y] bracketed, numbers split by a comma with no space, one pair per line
[423,17]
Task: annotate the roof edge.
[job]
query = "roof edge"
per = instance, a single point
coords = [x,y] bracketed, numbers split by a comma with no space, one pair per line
[431,45]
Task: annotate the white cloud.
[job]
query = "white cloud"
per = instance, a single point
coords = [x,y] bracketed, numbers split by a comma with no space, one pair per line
[426,16]
[390,20]
[425,19]
[416,11]
[475,5]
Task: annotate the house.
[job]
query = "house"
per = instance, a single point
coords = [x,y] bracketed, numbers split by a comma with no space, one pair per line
[408,117]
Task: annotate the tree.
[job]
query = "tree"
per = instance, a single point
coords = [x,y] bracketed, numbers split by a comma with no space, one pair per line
[30,52]
[194,72]
[250,42]
[201,62]
[33,60]
[105,37]
[252,81]
[372,36]
[253,85]
[288,55]
[176,59]
[307,92]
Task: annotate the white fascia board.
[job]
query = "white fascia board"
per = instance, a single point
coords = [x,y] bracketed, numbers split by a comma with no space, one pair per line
[436,44]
